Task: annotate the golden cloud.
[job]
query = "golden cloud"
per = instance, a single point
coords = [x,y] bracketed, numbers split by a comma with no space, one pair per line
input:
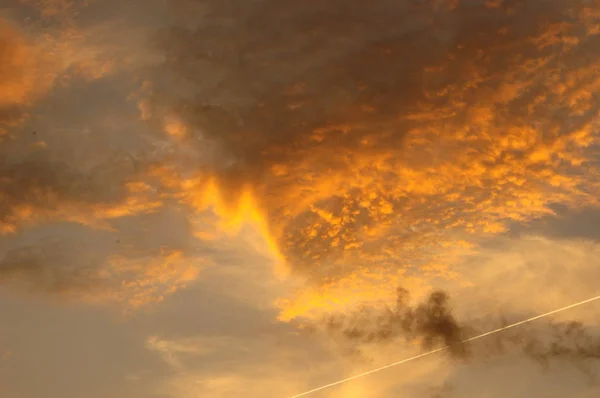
[386,146]
[23,76]
[365,153]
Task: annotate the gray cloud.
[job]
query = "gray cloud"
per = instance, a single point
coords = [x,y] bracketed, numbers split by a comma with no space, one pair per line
[433,323]
[37,185]
[260,77]
[430,322]
[131,263]
[54,266]
[444,391]
[564,343]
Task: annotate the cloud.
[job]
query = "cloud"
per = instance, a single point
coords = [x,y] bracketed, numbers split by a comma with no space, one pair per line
[502,272]
[242,375]
[494,290]
[23,77]
[73,156]
[531,358]
[77,268]
[557,343]
[39,183]
[228,361]
[52,9]
[170,350]
[443,391]
[386,136]
[55,178]
[46,46]
[46,267]
[40,187]
[433,325]
[502,275]
[369,150]
[368,154]
[430,322]
[368,146]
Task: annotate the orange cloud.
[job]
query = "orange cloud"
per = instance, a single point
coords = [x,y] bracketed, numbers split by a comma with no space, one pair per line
[151,279]
[389,148]
[23,76]
[35,60]
[31,65]
[217,213]
[385,149]
[20,74]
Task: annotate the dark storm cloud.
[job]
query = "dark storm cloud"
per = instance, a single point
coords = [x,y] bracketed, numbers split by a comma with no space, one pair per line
[430,322]
[262,76]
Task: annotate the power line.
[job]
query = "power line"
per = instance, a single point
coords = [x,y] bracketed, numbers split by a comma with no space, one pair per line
[446,347]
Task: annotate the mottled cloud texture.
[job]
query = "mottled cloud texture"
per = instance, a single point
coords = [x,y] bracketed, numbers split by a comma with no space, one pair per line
[287,165]
[378,143]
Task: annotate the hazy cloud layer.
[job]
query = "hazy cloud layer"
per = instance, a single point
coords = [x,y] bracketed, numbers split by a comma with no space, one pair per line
[433,325]
[73,191]
[392,136]
[268,164]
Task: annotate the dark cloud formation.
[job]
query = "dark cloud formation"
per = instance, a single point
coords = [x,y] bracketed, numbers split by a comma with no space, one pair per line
[430,322]
[342,115]
[578,224]
[433,324]
[555,343]
[364,130]
[263,77]
[273,81]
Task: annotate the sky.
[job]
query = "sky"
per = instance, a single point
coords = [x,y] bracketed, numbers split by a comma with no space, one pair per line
[251,198]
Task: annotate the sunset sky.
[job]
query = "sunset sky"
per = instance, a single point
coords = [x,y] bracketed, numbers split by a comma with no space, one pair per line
[255,198]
